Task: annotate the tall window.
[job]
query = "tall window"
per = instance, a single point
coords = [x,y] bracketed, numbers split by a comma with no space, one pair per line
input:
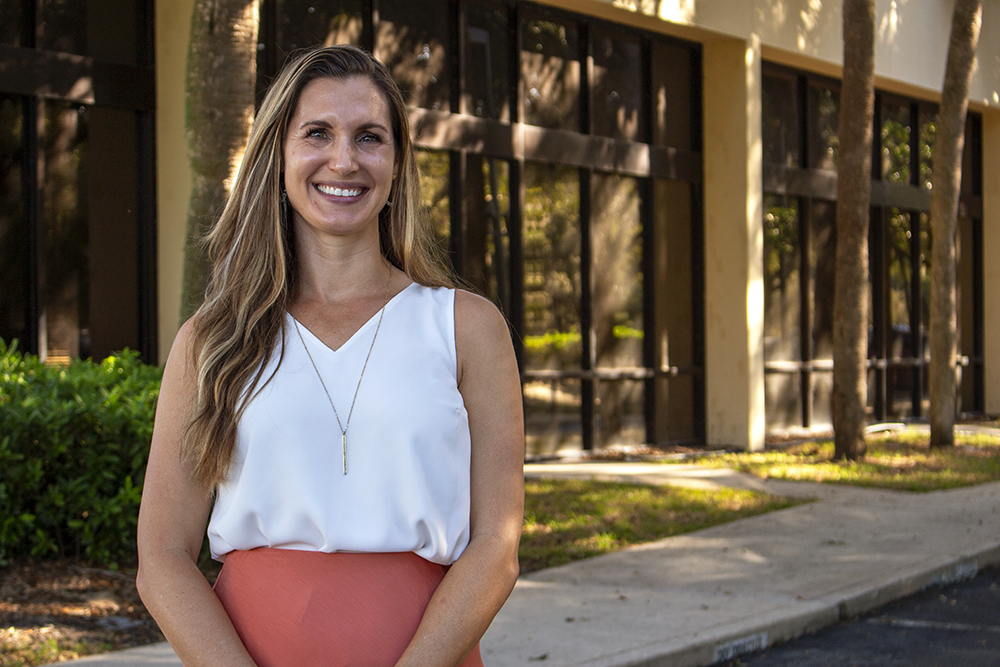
[800,245]
[76,206]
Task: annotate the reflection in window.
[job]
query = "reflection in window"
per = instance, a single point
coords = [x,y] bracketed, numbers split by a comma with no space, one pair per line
[824,107]
[928,133]
[895,143]
[61,26]
[304,23]
[675,326]
[485,257]
[822,265]
[64,215]
[487,85]
[10,22]
[781,279]
[782,308]
[13,238]
[617,88]
[550,74]
[617,297]
[412,41]
[671,96]
[433,169]
[780,118]
[552,292]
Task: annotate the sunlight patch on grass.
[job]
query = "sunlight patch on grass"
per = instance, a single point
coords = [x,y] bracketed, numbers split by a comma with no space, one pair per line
[568,520]
[899,460]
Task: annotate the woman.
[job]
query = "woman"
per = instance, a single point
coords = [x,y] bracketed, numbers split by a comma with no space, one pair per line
[351,423]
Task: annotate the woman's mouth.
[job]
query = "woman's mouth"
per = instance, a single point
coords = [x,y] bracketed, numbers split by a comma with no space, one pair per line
[339,192]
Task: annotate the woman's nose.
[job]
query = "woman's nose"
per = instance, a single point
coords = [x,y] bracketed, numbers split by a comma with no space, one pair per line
[342,157]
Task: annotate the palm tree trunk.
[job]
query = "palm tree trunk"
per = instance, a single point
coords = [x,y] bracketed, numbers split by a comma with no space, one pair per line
[220,87]
[945,183]
[850,330]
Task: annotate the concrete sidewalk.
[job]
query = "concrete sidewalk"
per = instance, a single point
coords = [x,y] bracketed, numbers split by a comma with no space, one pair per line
[707,596]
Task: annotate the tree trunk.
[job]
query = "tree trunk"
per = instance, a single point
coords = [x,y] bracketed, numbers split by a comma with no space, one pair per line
[854,166]
[946,179]
[220,87]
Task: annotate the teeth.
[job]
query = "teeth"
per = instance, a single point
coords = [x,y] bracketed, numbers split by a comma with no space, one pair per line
[338,192]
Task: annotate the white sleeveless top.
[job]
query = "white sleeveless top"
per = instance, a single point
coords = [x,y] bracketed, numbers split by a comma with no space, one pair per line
[408,443]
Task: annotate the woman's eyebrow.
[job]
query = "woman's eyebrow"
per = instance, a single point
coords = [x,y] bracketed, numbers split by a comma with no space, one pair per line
[326,125]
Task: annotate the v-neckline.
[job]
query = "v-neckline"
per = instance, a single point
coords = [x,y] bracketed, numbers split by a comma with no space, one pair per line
[357,332]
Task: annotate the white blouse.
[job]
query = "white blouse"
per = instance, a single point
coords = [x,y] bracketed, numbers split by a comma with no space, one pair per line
[408,443]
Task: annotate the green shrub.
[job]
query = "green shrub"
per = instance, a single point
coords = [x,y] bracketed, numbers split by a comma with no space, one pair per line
[73,447]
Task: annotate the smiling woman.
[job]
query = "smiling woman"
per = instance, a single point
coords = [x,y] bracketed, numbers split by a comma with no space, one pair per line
[339,161]
[356,418]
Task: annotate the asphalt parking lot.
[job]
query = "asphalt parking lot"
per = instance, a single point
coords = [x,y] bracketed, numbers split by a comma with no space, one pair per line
[956,625]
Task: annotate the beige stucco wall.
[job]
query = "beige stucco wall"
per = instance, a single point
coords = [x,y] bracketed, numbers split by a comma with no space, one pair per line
[734,290]
[173,173]
[911,38]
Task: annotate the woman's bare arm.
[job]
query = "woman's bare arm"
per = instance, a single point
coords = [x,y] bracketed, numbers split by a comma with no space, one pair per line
[479,582]
[172,520]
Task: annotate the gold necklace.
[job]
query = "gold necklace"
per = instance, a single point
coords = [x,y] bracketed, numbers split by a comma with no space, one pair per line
[344,427]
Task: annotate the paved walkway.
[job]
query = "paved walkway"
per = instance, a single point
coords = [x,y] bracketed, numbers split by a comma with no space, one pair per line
[699,598]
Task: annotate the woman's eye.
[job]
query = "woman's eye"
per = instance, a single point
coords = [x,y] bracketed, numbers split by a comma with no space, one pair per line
[316,134]
[369,137]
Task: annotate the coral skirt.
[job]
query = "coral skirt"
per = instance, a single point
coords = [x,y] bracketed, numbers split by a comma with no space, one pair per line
[303,608]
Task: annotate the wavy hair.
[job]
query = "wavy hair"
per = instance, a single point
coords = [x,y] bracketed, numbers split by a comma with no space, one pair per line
[252,254]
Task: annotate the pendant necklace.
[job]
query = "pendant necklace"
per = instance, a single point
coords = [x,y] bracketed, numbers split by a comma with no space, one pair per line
[345,426]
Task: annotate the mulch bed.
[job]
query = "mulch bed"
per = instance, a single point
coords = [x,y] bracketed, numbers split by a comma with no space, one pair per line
[52,611]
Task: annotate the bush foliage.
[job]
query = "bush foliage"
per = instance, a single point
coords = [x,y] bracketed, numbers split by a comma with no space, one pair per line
[73,447]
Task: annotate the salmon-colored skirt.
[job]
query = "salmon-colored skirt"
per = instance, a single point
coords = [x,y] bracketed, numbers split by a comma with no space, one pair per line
[303,608]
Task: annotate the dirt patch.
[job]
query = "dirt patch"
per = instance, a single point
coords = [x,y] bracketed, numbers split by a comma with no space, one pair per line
[52,611]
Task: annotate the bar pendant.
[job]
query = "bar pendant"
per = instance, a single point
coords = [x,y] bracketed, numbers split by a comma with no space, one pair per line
[343,441]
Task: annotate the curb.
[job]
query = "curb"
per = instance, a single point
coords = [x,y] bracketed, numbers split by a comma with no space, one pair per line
[721,644]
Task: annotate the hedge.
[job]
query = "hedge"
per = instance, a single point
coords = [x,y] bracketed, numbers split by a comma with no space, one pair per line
[73,446]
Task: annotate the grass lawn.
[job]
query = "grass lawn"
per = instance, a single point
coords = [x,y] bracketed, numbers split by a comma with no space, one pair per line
[900,460]
[567,520]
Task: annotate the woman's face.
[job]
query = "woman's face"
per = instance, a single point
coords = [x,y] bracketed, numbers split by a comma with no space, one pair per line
[339,158]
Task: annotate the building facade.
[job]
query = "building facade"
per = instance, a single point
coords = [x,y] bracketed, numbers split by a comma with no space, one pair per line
[646,189]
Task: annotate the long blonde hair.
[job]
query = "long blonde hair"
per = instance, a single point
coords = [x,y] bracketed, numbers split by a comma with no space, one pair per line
[253,256]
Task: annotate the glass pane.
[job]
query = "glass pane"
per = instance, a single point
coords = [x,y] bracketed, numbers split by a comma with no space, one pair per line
[896,142]
[620,411]
[782,400]
[65,233]
[928,133]
[550,74]
[10,22]
[433,167]
[13,237]
[113,236]
[485,249]
[782,298]
[616,89]
[780,120]
[671,95]
[552,416]
[823,266]
[305,23]
[899,379]
[412,40]
[616,233]
[487,85]
[62,26]
[552,340]
[824,107]
[674,327]
[675,409]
